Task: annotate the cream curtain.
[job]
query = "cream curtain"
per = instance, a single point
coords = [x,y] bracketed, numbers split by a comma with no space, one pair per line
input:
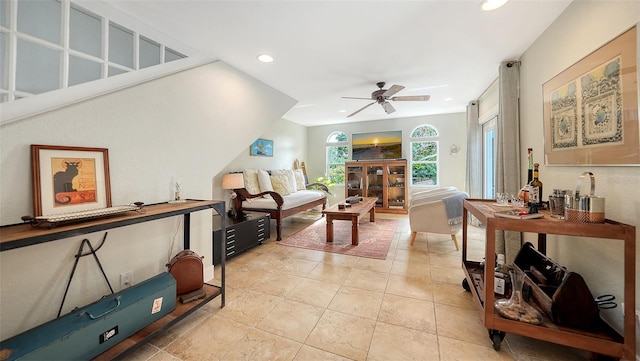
[508,149]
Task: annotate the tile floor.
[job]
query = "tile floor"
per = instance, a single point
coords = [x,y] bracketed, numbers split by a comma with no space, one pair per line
[286,303]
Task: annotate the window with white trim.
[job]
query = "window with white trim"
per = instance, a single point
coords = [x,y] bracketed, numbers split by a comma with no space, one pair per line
[337,155]
[424,142]
[53,44]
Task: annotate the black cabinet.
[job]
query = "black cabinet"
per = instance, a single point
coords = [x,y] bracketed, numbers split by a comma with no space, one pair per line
[240,235]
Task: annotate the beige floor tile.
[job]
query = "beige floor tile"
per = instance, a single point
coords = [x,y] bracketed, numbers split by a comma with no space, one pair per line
[412,287]
[456,350]
[144,352]
[329,273]
[197,344]
[250,308]
[453,275]
[291,319]
[357,302]
[461,324]
[274,282]
[342,334]
[453,295]
[445,259]
[416,269]
[260,345]
[413,254]
[408,312]
[339,260]
[308,353]
[163,356]
[372,264]
[365,279]
[239,275]
[399,343]
[528,349]
[180,328]
[313,292]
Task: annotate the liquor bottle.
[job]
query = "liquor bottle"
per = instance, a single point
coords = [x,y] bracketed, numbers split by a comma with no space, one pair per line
[530,170]
[535,188]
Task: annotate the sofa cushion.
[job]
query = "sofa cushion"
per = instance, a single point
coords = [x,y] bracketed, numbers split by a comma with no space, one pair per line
[292,180]
[300,183]
[251,183]
[280,184]
[265,181]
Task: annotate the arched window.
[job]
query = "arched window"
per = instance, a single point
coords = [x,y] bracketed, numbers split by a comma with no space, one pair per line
[337,154]
[424,156]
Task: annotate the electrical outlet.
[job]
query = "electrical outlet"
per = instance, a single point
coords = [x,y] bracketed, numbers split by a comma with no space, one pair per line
[126,280]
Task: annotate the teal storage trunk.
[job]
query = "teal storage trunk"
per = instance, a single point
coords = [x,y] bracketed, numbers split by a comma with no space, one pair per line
[89,331]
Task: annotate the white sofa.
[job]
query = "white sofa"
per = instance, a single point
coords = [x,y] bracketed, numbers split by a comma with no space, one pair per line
[279,203]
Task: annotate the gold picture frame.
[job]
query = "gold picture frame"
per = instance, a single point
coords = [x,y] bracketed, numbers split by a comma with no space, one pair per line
[69,179]
[591,108]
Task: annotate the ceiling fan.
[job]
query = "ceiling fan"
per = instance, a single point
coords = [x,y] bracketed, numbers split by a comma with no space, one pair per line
[381,96]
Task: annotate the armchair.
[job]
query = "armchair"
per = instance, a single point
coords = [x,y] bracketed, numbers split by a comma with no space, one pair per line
[439,213]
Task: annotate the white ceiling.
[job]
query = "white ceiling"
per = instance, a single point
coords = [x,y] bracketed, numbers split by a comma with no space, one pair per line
[449,49]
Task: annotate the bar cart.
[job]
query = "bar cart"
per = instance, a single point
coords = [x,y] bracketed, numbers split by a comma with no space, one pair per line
[601,341]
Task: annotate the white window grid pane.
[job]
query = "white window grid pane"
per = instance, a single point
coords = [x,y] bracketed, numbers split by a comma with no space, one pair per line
[4,13]
[116,71]
[171,55]
[85,32]
[83,70]
[150,52]
[120,45]
[41,18]
[38,68]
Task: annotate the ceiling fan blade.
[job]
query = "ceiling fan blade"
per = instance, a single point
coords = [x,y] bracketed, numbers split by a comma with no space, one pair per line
[361,109]
[394,89]
[405,98]
[356,98]
[388,107]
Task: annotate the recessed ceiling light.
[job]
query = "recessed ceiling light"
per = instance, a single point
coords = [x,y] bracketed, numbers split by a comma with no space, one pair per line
[342,111]
[265,58]
[488,5]
[448,99]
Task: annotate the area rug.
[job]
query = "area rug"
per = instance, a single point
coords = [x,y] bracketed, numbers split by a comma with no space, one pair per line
[374,237]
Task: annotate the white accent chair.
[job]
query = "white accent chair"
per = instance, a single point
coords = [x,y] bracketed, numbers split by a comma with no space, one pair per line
[429,214]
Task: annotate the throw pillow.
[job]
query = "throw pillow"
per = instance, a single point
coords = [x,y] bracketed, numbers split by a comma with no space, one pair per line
[265,181]
[292,180]
[280,183]
[300,183]
[251,183]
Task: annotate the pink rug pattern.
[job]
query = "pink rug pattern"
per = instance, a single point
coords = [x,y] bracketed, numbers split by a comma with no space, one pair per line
[374,237]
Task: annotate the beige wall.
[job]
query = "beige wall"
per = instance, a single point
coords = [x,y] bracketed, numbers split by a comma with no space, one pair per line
[582,28]
[186,125]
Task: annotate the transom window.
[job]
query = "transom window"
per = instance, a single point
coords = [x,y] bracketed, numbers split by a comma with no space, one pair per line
[53,44]
[424,156]
[337,155]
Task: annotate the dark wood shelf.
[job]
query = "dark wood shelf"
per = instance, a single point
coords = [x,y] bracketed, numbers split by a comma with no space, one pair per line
[24,234]
[138,339]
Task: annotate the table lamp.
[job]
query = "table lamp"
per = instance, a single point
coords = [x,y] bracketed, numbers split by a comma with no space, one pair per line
[233,181]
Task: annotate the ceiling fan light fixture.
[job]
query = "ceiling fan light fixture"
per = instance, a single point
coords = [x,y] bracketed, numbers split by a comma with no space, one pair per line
[265,58]
[488,5]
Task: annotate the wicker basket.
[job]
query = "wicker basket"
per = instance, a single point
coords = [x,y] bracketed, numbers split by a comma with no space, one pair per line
[584,208]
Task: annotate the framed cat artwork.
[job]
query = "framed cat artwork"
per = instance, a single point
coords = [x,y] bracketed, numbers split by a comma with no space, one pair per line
[69,179]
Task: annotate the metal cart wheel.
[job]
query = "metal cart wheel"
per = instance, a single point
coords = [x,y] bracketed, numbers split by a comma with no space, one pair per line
[465,285]
[496,338]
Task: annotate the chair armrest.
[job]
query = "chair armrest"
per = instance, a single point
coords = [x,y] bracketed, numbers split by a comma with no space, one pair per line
[244,195]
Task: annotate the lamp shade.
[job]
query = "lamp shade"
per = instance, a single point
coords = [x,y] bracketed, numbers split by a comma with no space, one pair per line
[233,181]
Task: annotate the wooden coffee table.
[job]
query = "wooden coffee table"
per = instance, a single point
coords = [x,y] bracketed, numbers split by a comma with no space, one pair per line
[353,214]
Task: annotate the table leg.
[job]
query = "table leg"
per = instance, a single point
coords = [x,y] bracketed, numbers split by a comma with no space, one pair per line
[372,214]
[329,229]
[354,231]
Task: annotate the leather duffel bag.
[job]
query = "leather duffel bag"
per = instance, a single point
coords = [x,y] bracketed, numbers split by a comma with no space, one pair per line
[187,268]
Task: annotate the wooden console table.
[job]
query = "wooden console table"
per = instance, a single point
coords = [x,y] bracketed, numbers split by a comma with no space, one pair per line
[23,235]
[605,340]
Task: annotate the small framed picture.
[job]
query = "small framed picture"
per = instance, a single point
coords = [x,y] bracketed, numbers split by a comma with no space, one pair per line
[262,147]
[69,179]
